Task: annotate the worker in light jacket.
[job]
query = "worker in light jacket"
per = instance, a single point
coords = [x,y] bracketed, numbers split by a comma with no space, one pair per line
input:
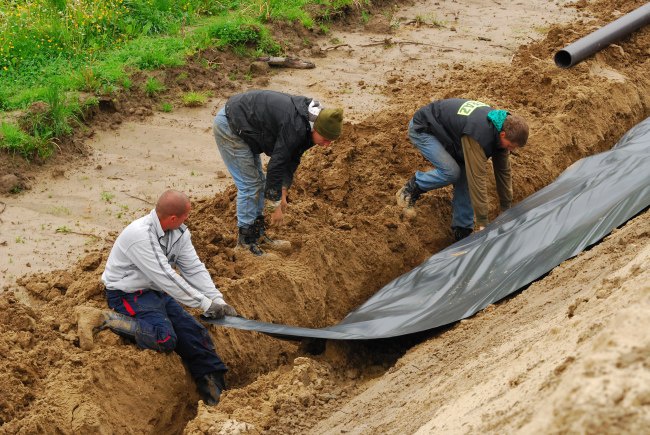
[145,292]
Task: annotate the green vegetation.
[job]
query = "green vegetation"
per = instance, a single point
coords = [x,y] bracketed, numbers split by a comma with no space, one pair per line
[195,99]
[365,17]
[107,196]
[51,51]
[153,86]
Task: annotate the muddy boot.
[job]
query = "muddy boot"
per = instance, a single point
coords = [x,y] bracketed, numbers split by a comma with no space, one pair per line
[210,387]
[92,320]
[121,325]
[460,233]
[268,243]
[248,240]
[408,195]
[89,321]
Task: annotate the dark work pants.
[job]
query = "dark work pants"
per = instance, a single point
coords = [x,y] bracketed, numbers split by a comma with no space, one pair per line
[165,326]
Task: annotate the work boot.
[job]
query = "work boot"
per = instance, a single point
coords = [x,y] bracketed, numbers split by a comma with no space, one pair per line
[120,324]
[408,195]
[91,320]
[460,233]
[265,241]
[248,239]
[210,387]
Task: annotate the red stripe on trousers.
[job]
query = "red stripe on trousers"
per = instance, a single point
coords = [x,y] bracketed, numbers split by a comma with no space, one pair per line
[128,307]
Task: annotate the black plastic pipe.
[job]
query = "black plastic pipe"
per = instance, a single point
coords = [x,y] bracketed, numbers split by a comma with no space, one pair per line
[601,38]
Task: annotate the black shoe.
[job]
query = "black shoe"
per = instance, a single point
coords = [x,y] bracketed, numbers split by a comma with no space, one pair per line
[267,242]
[260,228]
[408,195]
[248,239]
[460,233]
[210,387]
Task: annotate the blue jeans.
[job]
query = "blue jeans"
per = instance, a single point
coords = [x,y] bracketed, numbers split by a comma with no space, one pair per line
[165,326]
[245,168]
[446,171]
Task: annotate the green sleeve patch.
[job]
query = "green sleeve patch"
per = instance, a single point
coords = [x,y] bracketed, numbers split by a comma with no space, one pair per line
[468,107]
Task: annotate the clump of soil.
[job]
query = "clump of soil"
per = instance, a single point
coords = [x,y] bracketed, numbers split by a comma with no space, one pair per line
[349,240]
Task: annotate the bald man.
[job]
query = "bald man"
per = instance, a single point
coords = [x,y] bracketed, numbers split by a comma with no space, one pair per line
[144,291]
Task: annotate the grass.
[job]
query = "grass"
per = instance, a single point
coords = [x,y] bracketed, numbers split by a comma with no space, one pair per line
[152,86]
[195,99]
[107,196]
[53,50]
[16,141]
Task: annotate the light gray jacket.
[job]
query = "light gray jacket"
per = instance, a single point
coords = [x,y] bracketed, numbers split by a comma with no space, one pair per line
[144,257]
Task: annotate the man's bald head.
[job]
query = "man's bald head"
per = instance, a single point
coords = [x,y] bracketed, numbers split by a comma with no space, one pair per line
[172,203]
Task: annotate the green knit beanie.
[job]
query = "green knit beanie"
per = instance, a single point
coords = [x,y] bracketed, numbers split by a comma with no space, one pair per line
[328,124]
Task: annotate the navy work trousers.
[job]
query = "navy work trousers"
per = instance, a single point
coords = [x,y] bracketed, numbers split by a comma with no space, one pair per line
[165,326]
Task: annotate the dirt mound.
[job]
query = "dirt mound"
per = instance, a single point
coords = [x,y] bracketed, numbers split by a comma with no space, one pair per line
[349,240]
[49,384]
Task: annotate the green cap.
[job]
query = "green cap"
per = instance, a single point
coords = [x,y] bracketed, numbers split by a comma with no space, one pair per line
[328,124]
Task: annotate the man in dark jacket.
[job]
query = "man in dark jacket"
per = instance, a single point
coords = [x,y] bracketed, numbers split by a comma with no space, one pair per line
[281,126]
[458,136]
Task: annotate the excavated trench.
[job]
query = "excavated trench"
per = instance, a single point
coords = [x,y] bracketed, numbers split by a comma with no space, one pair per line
[349,240]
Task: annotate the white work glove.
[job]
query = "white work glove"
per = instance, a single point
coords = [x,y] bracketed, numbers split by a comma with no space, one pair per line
[218,311]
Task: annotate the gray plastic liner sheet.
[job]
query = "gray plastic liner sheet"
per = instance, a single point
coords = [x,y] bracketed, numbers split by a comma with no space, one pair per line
[587,201]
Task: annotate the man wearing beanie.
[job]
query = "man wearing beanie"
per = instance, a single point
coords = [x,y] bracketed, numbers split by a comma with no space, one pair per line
[458,136]
[283,127]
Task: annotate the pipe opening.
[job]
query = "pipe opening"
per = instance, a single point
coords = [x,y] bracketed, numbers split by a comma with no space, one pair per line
[563,59]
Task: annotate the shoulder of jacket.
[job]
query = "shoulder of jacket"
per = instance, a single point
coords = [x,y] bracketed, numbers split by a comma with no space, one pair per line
[137,231]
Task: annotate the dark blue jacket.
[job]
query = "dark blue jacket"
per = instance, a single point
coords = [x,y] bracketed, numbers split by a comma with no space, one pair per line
[277,125]
[449,120]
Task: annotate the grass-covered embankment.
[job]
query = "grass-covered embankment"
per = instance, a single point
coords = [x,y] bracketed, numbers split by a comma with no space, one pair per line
[53,50]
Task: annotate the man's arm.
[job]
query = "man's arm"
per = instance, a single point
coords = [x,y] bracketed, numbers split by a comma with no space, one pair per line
[292,165]
[194,271]
[475,160]
[149,258]
[503,177]
[279,163]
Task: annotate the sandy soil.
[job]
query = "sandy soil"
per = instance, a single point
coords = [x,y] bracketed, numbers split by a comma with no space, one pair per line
[568,354]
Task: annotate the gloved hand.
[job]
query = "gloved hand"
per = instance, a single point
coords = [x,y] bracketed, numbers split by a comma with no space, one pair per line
[217,311]
[229,311]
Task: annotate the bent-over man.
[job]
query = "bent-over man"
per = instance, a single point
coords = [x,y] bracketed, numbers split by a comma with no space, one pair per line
[458,136]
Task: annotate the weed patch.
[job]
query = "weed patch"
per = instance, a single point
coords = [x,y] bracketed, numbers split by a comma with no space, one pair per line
[195,99]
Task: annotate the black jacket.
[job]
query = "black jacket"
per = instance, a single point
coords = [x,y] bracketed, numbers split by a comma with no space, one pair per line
[277,125]
[449,120]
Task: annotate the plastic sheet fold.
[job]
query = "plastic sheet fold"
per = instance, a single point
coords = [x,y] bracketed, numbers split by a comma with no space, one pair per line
[586,202]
